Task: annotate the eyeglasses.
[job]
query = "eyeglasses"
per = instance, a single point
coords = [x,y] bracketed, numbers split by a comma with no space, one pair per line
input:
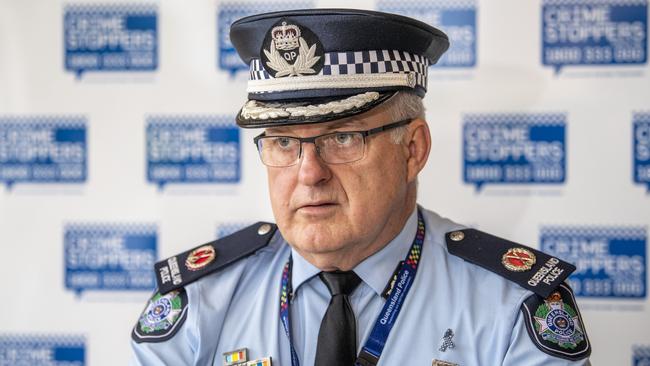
[333,148]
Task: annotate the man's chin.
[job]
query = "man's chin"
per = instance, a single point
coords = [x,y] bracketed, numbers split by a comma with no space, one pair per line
[318,250]
[318,237]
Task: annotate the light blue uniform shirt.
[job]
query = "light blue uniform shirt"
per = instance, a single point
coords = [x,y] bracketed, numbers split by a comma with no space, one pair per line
[238,307]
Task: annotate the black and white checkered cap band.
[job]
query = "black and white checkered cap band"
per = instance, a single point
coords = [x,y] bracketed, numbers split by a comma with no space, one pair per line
[339,64]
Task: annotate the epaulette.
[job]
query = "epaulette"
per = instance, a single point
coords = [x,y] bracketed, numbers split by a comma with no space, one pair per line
[530,268]
[176,272]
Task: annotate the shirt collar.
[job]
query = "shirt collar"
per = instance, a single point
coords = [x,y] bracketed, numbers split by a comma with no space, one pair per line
[301,270]
[375,270]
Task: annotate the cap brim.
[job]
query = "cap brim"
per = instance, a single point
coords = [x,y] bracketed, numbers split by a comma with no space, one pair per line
[257,113]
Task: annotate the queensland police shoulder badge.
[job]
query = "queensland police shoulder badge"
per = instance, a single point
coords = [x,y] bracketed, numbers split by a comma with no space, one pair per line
[162,317]
[555,324]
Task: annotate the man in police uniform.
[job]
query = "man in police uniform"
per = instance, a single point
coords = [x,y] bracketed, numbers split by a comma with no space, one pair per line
[355,273]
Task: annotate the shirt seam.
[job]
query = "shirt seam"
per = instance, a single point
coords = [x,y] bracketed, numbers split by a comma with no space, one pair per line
[195,321]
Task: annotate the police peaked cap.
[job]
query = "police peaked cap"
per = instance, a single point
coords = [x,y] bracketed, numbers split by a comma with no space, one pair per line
[318,65]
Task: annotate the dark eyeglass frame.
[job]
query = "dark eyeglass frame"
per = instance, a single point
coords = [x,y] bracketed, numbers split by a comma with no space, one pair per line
[312,139]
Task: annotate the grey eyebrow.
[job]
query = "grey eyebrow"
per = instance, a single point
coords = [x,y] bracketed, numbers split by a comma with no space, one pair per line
[281,130]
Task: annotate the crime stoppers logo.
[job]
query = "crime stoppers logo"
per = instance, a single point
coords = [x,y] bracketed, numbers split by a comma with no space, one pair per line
[227,58]
[611,261]
[195,149]
[641,143]
[110,37]
[43,150]
[514,149]
[51,350]
[457,18]
[594,32]
[110,256]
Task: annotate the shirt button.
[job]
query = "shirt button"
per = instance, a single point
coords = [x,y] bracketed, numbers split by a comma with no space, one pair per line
[457,236]
[264,229]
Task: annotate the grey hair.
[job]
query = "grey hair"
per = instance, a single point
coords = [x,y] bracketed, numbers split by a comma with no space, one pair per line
[403,105]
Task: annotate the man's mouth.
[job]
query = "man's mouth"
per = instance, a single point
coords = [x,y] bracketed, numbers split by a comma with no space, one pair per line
[316,207]
[318,203]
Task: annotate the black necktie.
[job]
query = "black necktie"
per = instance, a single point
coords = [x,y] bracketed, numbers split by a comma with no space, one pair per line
[337,338]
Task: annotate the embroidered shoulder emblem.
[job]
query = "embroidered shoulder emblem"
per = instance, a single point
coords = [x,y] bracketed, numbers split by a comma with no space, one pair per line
[291,50]
[555,325]
[162,317]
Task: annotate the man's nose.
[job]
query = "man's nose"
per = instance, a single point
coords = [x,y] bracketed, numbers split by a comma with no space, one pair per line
[312,169]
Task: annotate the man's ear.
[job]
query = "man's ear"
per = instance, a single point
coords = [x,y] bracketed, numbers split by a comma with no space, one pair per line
[419,146]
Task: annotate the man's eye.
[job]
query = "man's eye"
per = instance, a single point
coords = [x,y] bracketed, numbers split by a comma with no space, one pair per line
[283,142]
[343,138]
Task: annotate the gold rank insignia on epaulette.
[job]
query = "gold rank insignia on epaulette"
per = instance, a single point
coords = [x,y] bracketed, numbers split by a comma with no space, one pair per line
[530,268]
[176,272]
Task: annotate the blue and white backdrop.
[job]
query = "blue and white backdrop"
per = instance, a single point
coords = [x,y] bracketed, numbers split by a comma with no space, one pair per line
[118,148]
